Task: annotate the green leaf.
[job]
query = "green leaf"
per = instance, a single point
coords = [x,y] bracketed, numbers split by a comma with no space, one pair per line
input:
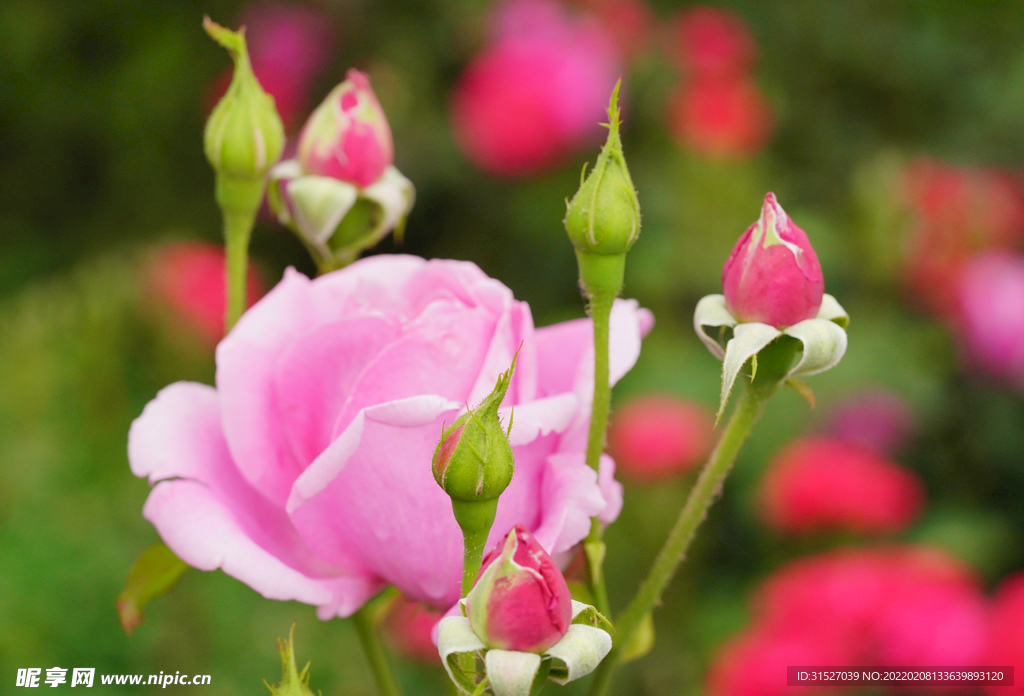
[152,575]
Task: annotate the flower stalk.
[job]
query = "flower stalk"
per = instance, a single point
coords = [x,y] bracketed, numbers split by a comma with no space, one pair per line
[366,627]
[702,496]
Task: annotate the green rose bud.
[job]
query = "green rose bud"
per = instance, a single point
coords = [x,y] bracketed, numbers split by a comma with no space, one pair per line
[244,136]
[473,461]
[603,218]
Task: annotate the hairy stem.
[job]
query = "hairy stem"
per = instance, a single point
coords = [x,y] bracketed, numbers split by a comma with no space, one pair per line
[702,496]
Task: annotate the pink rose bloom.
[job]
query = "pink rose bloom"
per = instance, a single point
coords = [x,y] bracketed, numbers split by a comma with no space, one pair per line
[520,600]
[991,316]
[876,419]
[655,437]
[1005,644]
[536,93]
[188,279]
[819,483]
[713,43]
[306,472]
[772,275]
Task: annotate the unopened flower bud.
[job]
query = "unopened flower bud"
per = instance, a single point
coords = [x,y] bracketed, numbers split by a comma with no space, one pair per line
[341,194]
[473,461]
[243,136]
[520,600]
[347,137]
[772,275]
[604,215]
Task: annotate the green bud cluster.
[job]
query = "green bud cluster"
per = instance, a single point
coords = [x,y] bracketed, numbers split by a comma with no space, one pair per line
[244,136]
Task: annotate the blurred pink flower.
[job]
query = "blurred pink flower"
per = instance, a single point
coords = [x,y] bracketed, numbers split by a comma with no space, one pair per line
[407,628]
[520,600]
[537,92]
[727,119]
[825,483]
[991,315]
[1005,644]
[772,275]
[711,43]
[189,281]
[656,437]
[306,472]
[290,45]
[629,23]
[889,605]
[876,419]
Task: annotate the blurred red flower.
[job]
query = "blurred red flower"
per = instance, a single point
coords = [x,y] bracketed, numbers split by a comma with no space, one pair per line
[825,483]
[655,437]
[956,214]
[1006,633]
[891,605]
[712,43]
[187,280]
[407,628]
[721,119]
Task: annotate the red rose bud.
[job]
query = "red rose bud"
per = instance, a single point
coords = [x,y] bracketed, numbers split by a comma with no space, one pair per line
[772,275]
[657,437]
[347,137]
[520,600]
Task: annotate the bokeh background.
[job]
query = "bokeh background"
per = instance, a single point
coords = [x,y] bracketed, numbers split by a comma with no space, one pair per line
[891,132]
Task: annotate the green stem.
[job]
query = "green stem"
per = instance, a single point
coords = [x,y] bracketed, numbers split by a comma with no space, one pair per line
[474,544]
[239,201]
[600,309]
[704,493]
[237,230]
[367,630]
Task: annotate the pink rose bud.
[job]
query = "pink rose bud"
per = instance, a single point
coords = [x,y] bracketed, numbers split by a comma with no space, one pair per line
[656,437]
[772,275]
[520,600]
[347,137]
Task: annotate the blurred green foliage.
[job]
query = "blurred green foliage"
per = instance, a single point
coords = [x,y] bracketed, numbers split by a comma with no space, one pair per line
[101,113]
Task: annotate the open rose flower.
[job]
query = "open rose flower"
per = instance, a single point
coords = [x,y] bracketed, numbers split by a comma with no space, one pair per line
[306,472]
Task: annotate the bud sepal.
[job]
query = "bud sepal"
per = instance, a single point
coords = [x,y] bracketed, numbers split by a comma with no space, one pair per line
[819,345]
[512,673]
